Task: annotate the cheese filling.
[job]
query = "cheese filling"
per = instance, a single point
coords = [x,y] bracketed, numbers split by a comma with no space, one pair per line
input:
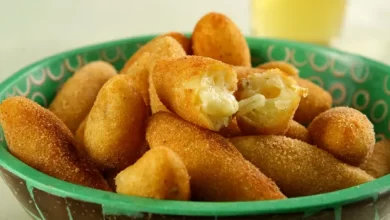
[268,92]
[214,98]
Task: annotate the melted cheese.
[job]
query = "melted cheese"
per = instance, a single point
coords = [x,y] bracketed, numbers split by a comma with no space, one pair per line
[267,92]
[215,99]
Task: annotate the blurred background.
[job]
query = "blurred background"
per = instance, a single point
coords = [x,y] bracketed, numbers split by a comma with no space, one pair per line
[31,30]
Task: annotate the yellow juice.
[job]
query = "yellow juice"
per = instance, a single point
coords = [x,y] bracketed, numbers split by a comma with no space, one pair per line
[314,21]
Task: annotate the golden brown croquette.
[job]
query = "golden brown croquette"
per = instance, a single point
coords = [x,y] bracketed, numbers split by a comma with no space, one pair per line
[285,67]
[298,168]
[184,41]
[267,102]
[218,171]
[317,101]
[115,130]
[378,164]
[217,37]
[297,131]
[344,132]
[159,47]
[75,99]
[41,140]
[198,89]
[158,174]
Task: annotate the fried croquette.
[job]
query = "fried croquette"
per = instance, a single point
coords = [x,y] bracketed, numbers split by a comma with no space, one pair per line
[267,102]
[244,71]
[138,75]
[75,99]
[285,67]
[159,47]
[115,129]
[158,174]
[218,171]
[182,40]
[163,47]
[317,101]
[378,164]
[297,131]
[232,130]
[198,89]
[80,131]
[79,135]
[217,37]
[344,132]
[41,140]
[298,168]
[155,103]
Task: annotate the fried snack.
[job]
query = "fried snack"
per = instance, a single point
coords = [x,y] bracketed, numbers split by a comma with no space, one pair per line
[267,102]
[80,131]
[344,132]
[198,89]
[232,130]
[218,171]
[378,164]
[159,47]
[162,47]
[138,74]
[79,135]
[155,103]
[158,174]
[298,168]
[75,99]
[115,130]
[297,131]
[244,71]
[41,140]
[216,36]
[317,101]
[285,67]
[182,40]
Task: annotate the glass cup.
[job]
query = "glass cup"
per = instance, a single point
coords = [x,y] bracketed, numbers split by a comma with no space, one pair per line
[312,21]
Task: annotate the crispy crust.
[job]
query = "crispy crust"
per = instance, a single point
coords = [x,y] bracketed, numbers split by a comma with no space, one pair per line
[159,174]
[378,164]
[244,71]
[75,99]
[285,67]
[159,47]
[216,36]
[170,77]
[218,171]
[344,132]
[115,130]
[297,131]
[317,101]
[138,72]
[79,135]
[41,140]
[299,169]
[183,41]
[155,103]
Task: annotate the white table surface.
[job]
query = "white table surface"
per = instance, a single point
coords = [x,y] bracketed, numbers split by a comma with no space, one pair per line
[31,30]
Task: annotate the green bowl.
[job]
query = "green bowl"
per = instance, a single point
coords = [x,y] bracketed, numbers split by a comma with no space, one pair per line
[352,80]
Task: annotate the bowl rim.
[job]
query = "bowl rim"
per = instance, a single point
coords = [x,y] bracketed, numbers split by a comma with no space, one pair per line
[134,204]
